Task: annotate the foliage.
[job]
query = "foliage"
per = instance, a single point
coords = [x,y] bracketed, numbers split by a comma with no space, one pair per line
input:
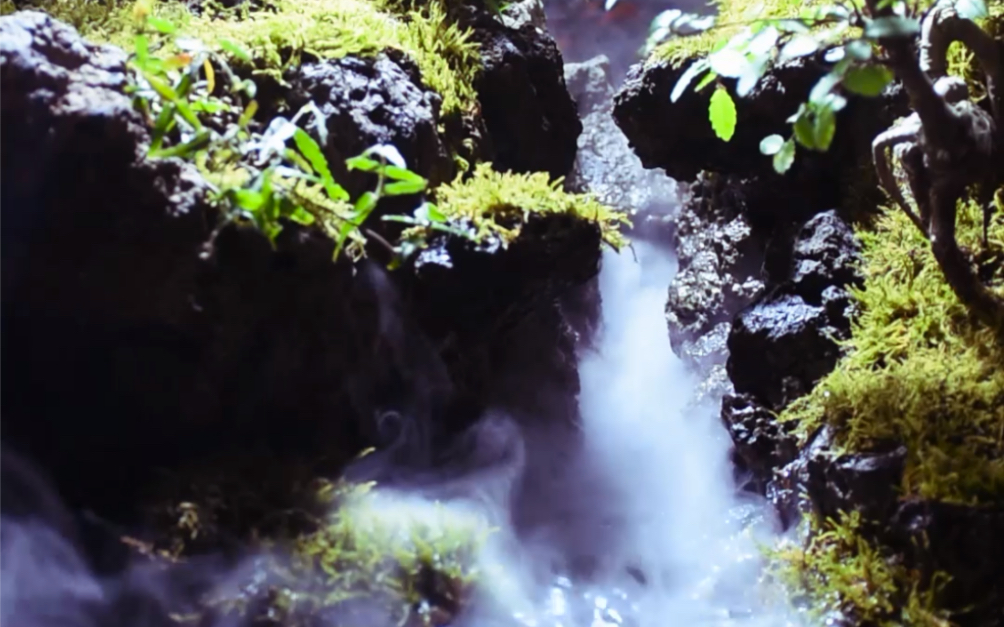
[287,31]
[838,571]
[253,175]
[722,113]
[494,205]
[919,369]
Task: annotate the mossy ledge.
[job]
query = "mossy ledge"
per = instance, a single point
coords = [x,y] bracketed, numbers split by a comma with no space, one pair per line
[280,33]
[919,371]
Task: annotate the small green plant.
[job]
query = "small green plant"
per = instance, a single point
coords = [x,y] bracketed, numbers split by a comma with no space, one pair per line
[838,571]
[254,176]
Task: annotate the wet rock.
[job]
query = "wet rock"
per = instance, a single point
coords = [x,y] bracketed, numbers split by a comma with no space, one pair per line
[825,256]
[964,541]
[530,118]
[762,443]
[719,271]
[678,137]
[864,482]
[606,166]
[379,100]
[779,347]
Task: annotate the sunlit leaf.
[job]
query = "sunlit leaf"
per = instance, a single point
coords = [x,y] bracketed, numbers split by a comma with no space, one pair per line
[207,67]
[835,54]
[235,50]
[248,113]
[162,25]
[188,148]
[971,9]
[389,153]
[859,50]
[892,26]
[784,157]
[825,127]
[728,62]
[707,80]
[771,144]
[685,79]
[867,80]
[362,163]
[799,46]
[302,216]
[400,188]
[402,174]
[722,113]
[312,151]
[823,87]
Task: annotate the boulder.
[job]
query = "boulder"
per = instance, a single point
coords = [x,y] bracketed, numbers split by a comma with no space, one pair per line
[779,348]
[761,443]
[380,100]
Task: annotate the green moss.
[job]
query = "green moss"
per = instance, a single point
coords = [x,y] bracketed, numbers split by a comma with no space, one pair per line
[279,36]
[326,550]
[919,370]
[498,204]
[961,61]
[838,571]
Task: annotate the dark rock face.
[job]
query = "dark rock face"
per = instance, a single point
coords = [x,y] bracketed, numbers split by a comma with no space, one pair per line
[374,101]
[720,257]
[779,348]
[964,541]
[529,115]
[605,164]
[825,258]
[762,444]
[785,342]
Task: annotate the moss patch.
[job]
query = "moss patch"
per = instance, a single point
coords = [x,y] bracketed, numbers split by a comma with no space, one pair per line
[498,204]
[280,35]
[329,553]
[838,571]
[919,370]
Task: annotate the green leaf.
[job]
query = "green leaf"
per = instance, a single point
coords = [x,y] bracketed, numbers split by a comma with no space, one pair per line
[859,50]
[162,126]
[401,188]
[685,79]
[824,87]
[784,157]
[867,80]
[183,150]
[892,26]
[364,205]
[771,144]
[162,25]
[312,151]
[248,199]
[707,80]
[402,174]
[824,128]
[235,50]
[142,46]
[971,9]
[302,216]
[362,163]
[804,130]
[722,113]
[729,63]
[249,112]
[429,211]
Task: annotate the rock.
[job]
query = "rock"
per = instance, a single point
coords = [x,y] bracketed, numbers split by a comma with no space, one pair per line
[530,118]
[719,266]
[967,543]
[516,15]
[762,443]
[605,164]
[379,100]
[866,482]
[678,137]
[779,347]
[825,256]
